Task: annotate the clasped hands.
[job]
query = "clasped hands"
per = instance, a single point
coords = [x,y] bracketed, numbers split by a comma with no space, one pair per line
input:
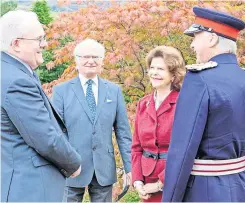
[146,190]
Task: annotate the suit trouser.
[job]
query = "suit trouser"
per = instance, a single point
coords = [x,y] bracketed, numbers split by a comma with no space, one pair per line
[97,193]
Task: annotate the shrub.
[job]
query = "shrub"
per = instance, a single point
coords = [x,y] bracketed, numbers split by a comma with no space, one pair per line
[42,10]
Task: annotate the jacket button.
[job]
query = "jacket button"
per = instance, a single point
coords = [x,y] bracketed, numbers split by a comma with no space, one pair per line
[94,148]
[64,130]
[94,133]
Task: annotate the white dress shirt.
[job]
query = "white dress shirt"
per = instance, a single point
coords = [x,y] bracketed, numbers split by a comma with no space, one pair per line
[95,86]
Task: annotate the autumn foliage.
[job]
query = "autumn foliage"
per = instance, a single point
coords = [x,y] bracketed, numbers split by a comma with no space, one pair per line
[129,31]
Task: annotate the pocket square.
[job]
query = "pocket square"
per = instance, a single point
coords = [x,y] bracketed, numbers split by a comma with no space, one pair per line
[108,100]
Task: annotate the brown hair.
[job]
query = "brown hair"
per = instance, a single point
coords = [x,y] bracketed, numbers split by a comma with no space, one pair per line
[173,60]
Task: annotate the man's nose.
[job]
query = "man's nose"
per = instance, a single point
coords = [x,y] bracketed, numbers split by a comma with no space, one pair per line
[90,60]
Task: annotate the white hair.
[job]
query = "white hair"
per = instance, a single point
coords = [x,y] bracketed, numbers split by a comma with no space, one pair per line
[227,45]
[89,43]
[15,24]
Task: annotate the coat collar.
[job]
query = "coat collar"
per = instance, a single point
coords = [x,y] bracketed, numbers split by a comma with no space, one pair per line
[165,105]
[168,102]
[225,59]
[17,63]
[102,92]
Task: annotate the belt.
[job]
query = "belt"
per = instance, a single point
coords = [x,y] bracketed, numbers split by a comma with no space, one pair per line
[155,156]
[218,167]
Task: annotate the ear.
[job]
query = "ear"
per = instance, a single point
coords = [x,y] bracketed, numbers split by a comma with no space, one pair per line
[214,40]
[16,45]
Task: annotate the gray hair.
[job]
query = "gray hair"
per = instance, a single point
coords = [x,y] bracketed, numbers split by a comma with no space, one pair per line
[15,24]
[82,46]
[227,45]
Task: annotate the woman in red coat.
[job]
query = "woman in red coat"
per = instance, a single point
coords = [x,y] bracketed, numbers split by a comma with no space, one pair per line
[153,123]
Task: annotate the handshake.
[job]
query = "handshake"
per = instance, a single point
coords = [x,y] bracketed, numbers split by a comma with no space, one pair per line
[146,190]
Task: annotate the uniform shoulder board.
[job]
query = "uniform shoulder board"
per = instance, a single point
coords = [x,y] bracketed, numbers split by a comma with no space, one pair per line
[201,66]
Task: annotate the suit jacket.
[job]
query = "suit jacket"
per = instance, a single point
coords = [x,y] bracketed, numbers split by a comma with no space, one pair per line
[152,134]
[93,141]
[35,152]
[209,124]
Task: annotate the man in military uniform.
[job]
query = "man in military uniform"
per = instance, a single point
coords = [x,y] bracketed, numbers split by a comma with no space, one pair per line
[206,158]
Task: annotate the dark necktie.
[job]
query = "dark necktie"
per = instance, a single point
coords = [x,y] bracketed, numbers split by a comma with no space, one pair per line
[91,99]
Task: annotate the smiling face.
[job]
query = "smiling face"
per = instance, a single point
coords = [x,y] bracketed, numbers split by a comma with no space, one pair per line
[29,47]
[159,74]
[89,62]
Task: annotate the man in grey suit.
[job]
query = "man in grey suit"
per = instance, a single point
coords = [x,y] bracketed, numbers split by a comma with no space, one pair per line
[91,107]
[36,156]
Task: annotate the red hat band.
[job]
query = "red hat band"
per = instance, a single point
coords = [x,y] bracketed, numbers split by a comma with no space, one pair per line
[217,27]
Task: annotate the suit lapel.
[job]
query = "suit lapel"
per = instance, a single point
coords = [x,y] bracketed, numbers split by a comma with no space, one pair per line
[102,91]
[163,108]
[166,104]
[78,90]
[56,115]
[9,59]
[151,110]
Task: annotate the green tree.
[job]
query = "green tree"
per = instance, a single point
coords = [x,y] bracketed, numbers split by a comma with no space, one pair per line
[43,12]
[47,74]
[7,6]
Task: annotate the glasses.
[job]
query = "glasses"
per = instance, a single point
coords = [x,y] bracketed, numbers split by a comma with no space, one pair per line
[40,39]
[95,58]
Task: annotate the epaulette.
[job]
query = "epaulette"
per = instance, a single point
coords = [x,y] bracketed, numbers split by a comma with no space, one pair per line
[201,66]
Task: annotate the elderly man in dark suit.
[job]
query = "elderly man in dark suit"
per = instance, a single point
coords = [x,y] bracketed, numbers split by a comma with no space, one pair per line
[36,156]
[206,158]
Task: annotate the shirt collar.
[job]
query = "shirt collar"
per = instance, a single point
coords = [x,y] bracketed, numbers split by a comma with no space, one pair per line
[84,79]
[25,64]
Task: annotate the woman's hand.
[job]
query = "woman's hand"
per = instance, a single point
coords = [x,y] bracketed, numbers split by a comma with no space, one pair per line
[140,190]
[153,187]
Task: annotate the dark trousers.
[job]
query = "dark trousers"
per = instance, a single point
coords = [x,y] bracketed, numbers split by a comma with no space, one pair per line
[97,193]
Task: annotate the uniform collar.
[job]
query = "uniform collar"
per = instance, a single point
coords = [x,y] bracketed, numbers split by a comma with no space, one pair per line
[225,58]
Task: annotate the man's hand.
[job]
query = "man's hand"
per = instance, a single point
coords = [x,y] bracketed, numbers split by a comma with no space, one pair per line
[153,187]
[77,172]
[142,193]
